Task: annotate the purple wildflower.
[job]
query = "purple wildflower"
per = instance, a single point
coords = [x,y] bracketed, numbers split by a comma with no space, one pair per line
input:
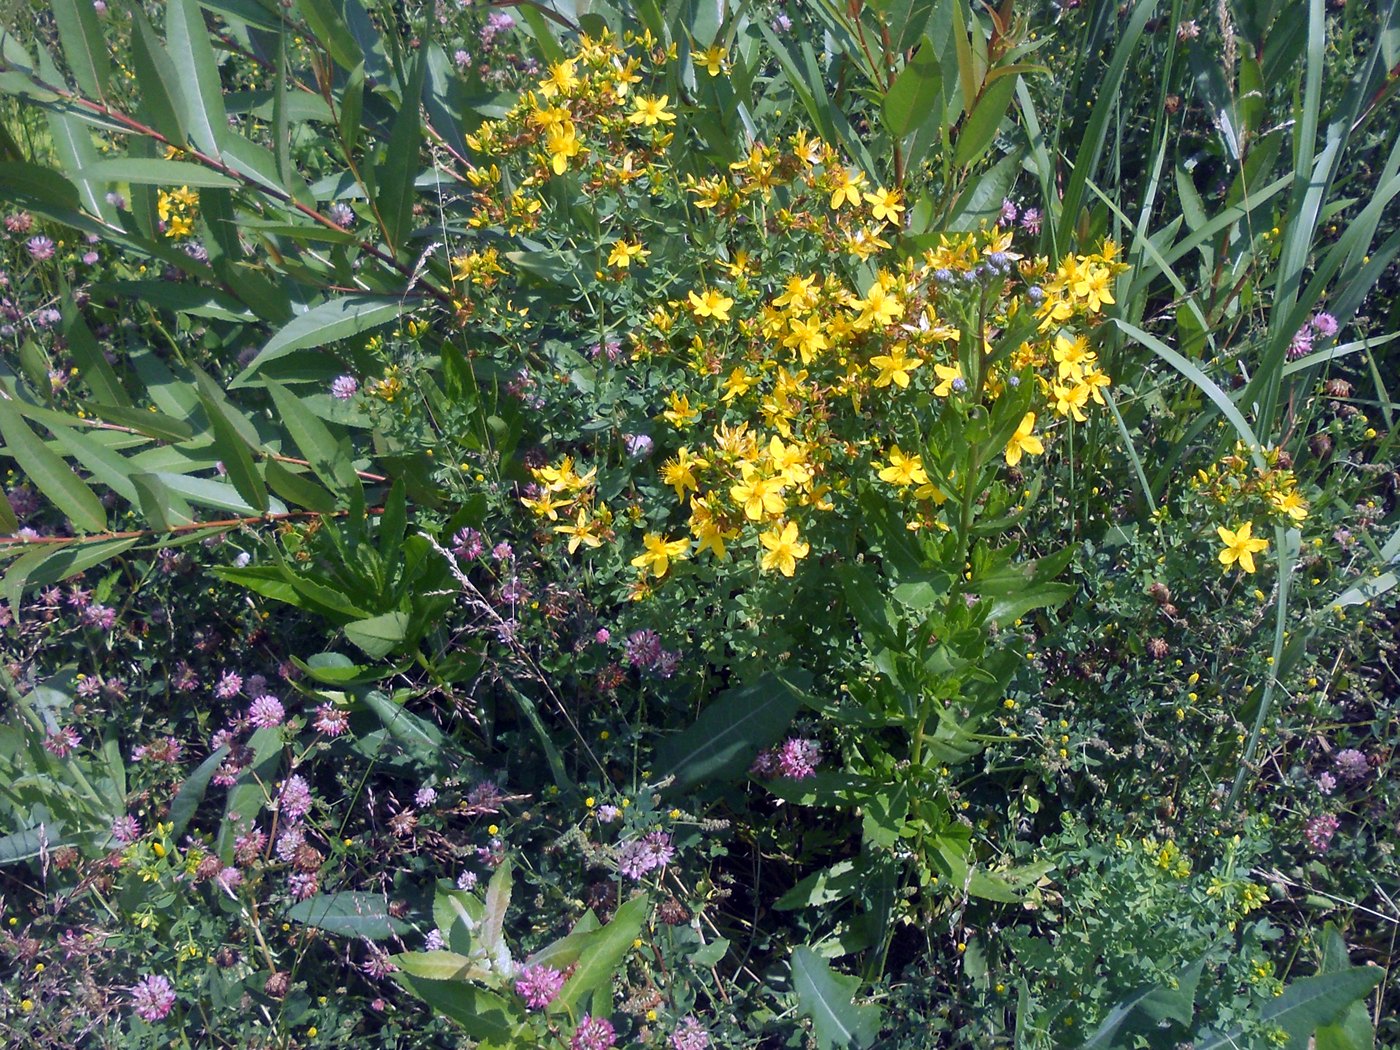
[424,797]
[1351,764]
[466,881]
[330,720]
[646,854]
[690,1034]
[126,829]
[639,446]
[538,985]
[1301,345]
[1318,831]
[295,800]
[291,840]
[62,742]
[593,1033]
[642,649]
[467,544]
[1009,212]
[303,885]
[1030,221]
[1324,324]
[1326,783]
[342,214]
[40,248]
[230,682]
[153,998]
[266,711]
[798,758]
[433,942]
[344,387]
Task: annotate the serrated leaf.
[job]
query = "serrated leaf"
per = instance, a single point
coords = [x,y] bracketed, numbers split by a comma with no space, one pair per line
[349,913]
[828,999]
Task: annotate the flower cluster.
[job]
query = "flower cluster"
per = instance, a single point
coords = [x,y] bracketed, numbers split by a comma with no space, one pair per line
[177,210]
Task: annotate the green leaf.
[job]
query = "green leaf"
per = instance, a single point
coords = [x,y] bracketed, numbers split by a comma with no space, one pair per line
[380,635]
[331,32]
[191,793]
[440,966]
[484,1016]
[981,126]
[248,796]
[152,424]
[1353,1029]
[83,45]
[835,883]
[155,73]
[1307,1005]
[329,458]
[401,160]
[327,323]
[349,913]
[49,473]
[916,94]
[92,364]
[828,999]
[416,734]
[231,445]
[601,956]
[1148,1008]
[53,563]
[297,488]
[193,58]
[1009,607]
[156,172]
[731,730]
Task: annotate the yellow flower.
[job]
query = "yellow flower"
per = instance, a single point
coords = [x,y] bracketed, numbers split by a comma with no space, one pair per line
[798,293]
[659,553]
[738,384]
[1070,399]
[950,378]
[680,414]
[894,368]
[545,506]
[580,532]
[561,80]
[784,549]
[904,470]
[710,304]
[845,188]
[679,472]
[712,60]
[709,530]
[758,495]
[650,111]
[806,338]
[1240,546]
[623,253]
[1290,503]
[885,204]
[561,143]
[1024,440]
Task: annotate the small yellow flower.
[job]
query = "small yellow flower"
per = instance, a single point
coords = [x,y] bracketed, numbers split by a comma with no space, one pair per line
[885,204]
[712,60]
[623,253]
[710,304]
[1024,440]
[1240,546]
[783,549]
[904,470]
[650,111]
[659,553]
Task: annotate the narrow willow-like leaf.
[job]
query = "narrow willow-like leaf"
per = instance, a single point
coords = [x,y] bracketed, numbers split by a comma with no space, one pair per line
[49,473]
[198,72]
[161,98]
[83,45]
[327,323]
[156,172]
